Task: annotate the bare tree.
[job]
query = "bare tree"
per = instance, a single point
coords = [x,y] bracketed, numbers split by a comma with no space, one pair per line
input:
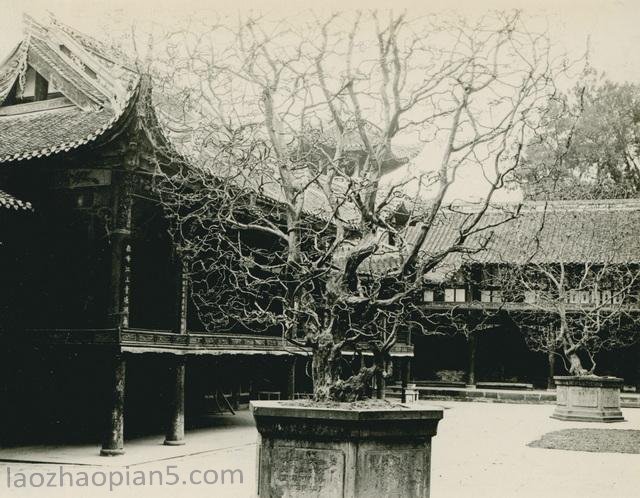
[579,292]
[291,131]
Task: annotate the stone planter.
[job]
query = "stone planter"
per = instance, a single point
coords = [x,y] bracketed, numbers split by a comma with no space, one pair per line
[588,399]
[343,451]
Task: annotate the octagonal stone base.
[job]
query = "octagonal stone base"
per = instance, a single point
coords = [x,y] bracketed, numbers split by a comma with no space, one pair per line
[343,451]
[588,399]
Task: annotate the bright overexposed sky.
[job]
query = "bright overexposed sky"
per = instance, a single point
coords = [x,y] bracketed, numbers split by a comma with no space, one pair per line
[612,27]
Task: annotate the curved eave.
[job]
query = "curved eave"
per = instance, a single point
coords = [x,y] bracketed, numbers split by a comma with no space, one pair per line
[7,201]
[75,144]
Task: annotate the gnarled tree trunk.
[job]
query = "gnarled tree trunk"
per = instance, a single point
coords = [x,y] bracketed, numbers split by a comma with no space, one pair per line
[575,364]
[569,348]
[326,370]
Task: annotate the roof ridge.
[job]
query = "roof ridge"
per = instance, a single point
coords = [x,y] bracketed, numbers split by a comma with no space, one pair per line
[580,204]
[99,75]
[92,44]
[550,205]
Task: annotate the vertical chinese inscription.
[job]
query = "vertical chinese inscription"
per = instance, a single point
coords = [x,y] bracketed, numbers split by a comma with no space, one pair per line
[126,286]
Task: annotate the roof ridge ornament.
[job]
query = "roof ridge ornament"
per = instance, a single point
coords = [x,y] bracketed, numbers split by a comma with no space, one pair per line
[96,72]
[13,67]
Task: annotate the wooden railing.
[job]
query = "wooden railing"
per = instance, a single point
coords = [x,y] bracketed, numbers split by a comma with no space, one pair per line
[522,306]
[143,340]
[193,342]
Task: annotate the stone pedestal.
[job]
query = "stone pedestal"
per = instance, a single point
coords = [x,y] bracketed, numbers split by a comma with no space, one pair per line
[588,399]
[323,450]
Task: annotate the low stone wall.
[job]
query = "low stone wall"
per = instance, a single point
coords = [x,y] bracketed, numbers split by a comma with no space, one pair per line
[502,396]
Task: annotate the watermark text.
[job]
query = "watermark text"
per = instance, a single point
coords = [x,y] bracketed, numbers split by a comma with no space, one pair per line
[170,475]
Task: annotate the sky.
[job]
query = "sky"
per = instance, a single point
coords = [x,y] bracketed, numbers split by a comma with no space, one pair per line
[612,25]
[608,27]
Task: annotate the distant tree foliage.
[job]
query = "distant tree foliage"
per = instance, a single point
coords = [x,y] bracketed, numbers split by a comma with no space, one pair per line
[590,146]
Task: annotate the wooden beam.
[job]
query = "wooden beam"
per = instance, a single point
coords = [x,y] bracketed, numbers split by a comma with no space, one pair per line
[41,88]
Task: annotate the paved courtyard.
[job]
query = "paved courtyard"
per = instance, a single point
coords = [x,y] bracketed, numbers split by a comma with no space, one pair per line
[480,451]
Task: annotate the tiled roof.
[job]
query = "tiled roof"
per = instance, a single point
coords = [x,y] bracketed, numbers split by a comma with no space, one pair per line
[46,127]
[558,231]
[7,201]
[352,142]
[44,133]
[266,184]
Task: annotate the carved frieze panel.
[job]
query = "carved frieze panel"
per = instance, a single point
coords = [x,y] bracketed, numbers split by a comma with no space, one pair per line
[81,178]
[585,397]
[307,472]
[396,473]
[610,398]
[561,395]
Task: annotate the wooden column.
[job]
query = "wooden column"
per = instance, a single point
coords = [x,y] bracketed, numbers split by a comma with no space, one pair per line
[118,313]
[380,386]
[637,366]
[291,378]
[114,440]
[551,357]
[182,293]
[119,309]
[236,384]
[380,380]
[175,430]
[235,395]
[121,208]
[405,375]
[473,344]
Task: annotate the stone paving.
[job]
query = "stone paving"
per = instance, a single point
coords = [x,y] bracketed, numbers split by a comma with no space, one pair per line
[480,451]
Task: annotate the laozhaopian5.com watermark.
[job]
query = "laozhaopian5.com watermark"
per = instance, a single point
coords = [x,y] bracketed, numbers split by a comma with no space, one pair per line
[170,475]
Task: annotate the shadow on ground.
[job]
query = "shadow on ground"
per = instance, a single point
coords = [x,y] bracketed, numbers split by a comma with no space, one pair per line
[593,440]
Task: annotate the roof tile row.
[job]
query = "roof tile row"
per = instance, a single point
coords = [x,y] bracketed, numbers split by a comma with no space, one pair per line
[7,201]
